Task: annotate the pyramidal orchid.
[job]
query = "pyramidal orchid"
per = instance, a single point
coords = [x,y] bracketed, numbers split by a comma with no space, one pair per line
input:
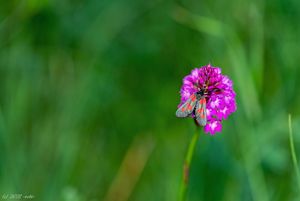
[207,82]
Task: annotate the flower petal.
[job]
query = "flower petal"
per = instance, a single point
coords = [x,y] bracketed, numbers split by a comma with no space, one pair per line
[213,127]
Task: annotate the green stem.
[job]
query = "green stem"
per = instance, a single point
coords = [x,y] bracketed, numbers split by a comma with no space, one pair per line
[186,166]
[294,157]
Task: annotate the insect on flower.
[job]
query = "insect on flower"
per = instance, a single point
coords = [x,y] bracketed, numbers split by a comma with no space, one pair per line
[208,97]
[196,104]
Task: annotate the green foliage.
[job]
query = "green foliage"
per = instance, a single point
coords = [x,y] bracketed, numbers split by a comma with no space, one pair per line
[89,90]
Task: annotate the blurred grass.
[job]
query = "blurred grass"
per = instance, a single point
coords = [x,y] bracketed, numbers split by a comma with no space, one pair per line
[80,80]
[293,152]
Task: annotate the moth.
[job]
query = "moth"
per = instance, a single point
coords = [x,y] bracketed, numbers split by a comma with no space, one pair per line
[196,104]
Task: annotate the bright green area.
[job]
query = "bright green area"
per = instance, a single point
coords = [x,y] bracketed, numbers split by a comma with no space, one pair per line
[89,90]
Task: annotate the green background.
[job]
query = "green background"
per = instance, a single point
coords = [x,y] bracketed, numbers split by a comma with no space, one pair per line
[89,90]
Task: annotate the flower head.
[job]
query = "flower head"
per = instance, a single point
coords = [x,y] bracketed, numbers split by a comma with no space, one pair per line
[219,94]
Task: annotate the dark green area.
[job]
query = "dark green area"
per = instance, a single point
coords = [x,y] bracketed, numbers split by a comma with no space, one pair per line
[89,89]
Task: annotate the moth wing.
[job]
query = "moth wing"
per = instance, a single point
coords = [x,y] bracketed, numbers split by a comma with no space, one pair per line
[201,112]
[187,108]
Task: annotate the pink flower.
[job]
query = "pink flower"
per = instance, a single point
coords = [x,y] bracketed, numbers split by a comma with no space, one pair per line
[220,96]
